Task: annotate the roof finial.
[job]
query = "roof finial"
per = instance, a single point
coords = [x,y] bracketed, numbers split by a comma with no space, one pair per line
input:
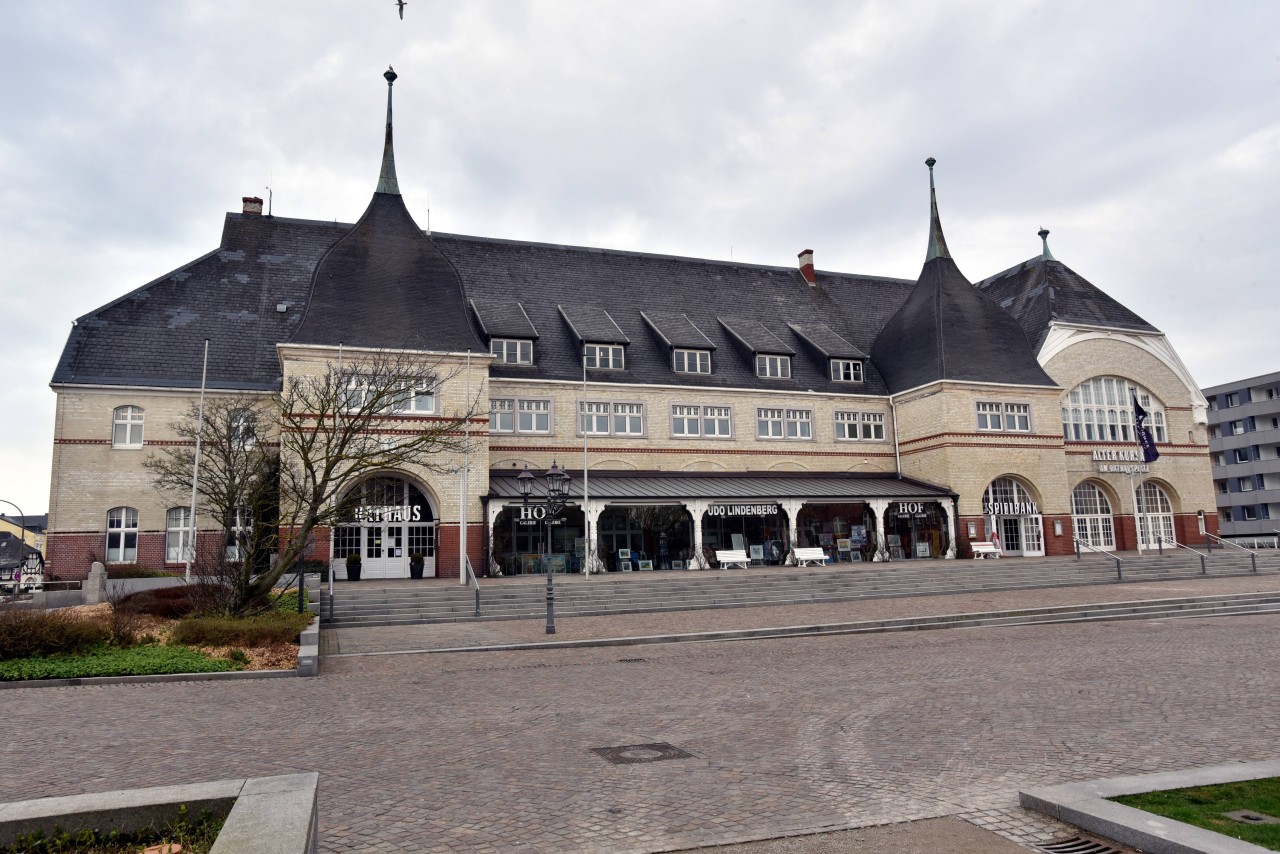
[937,243]
[1045,253]
[387,179]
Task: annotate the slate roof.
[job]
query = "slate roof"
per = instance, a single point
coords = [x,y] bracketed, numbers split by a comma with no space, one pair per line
[503,319]
[677,330]
[592,324]
[766,486]
[385,284]
[13,551]
[755,336]
[1039,291]
[826,341]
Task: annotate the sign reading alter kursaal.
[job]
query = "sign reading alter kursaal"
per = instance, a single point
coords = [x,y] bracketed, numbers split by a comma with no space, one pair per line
[1130,461]
[742,510]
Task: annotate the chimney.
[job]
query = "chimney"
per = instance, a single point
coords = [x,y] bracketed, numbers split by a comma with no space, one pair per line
[252,206]
[806,267]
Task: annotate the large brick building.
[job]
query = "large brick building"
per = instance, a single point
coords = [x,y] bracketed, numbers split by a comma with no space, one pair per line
[713,405]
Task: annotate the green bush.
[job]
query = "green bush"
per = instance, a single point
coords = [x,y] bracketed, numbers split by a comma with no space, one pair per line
[30,633]
[262,630]
[107,661]
[287,602]
[133,570]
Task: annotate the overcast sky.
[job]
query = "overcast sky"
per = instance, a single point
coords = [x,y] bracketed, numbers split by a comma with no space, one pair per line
[1144,135]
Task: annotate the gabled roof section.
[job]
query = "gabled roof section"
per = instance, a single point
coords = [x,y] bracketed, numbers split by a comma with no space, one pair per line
[677,330]
[825,340]
[591,324]
[755,337]
[503,319]
[948,330]
[384,284]
[1042,290]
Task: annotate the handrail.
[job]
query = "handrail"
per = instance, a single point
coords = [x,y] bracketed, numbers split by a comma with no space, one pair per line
[1253,556]
[1119,560]
[1161,539]
[471,579]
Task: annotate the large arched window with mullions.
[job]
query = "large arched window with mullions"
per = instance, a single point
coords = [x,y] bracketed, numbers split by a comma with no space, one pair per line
[1091,516]
[1100,409]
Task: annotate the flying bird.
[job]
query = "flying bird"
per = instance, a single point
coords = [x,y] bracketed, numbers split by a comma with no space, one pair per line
[401,4]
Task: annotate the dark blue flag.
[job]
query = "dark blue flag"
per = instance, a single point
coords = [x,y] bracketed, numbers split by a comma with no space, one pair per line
[1149,452]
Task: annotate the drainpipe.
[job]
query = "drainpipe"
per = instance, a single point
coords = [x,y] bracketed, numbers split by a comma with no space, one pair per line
[897,457]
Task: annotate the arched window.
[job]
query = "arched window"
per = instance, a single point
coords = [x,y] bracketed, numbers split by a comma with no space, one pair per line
[1155,514]
[122,535]
[177,538]
[1014,517]
[1091,516]
[1101,410]
[126,427]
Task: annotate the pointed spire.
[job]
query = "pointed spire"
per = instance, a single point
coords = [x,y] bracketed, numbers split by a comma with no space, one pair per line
[937,243]
[1044,237]
[387,178]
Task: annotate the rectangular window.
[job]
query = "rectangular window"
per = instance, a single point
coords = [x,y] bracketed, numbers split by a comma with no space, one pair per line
[686,420]
[1242,455]
[412,400]
[604,357]
[594,417]
[711,422]
[628,419]
[773,367]
[1237,428]
[846,426]
[717,422]
[799,424]
[512,351]
[873,426]
[1226,515]
[534,416]
[1246,484]
[1016,418]
[1233,399]
[501,415]
[846,370]
[784,423]
[769,423]
[1221,486]
[1248,514]
[691,361]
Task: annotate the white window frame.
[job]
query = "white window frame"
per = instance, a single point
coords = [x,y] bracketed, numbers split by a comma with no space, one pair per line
[512,351]
[128,423]
[1003,417]
[624,418]
[177,535]
[628,419]
[243,428]
[846,429]
[604,357]
[1242,452]
[121,523]
[873,426]
[708,421]
[846,370]
[238,525]
[594,417]
[688,361]
[853,426]
[773,367]
[412,399]
[780,422]
[507,415]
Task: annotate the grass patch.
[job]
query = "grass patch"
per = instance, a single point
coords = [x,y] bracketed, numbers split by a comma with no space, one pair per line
[112,661]
[263,630]
[287,603]
[196,836]
[1203,806]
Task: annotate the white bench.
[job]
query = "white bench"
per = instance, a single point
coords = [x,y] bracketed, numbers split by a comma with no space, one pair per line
[810,557]
[729,557]
[981,551]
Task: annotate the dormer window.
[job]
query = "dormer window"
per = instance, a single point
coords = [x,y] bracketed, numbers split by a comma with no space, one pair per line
[604,357]
[512,351]
[691,361]
[773,367]
[846,370]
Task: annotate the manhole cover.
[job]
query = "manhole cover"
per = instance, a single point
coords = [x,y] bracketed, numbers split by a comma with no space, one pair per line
[1079,845]
[1251,817]
[631,754]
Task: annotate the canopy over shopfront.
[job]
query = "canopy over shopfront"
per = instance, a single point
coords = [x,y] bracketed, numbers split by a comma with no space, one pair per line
[668,520]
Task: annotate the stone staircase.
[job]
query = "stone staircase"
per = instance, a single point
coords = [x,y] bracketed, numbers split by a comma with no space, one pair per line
[409,603]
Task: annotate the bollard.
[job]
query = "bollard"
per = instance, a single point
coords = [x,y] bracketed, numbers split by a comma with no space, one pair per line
[477,599]
[1119,575]
[1160,544]
[1077,545]
[1253,558]
[1203,569]
[551,604]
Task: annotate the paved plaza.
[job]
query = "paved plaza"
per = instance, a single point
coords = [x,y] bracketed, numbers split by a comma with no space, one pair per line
[493,751]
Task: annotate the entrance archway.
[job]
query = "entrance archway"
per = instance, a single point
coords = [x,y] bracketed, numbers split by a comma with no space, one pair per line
[393,520]
[1155,514]
[1013,515]
[1091,516]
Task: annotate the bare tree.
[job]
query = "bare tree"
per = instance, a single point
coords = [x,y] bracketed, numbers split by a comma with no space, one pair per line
[373,412]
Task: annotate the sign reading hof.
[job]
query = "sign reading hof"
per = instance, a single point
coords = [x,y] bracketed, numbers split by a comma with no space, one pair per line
[742,510]
[536,514]
[1132,459]
[909,508]
[1010,508]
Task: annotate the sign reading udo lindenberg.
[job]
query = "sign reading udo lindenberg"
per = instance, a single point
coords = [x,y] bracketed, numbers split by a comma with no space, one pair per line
[743,510]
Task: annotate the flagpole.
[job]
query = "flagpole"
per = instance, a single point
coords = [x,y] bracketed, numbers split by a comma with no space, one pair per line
[588,553]
[195,470]
[462,484]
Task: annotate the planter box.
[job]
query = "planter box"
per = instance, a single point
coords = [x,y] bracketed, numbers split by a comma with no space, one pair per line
[269,815]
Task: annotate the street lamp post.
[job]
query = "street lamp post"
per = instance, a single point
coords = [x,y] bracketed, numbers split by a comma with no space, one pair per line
[557,491]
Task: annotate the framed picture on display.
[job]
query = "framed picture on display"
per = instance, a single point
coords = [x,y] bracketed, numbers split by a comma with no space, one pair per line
[624,566]
[677,564]
[646,566]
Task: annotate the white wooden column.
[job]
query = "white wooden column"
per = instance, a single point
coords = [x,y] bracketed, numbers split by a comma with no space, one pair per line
[591,519]
[792,506]
[495,509]
[880,506]
[696,509]
[950,513]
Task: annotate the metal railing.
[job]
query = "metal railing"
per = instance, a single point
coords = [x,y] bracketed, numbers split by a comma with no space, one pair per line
[473,581]
[1119,560]
[1253,556]
[1161,540]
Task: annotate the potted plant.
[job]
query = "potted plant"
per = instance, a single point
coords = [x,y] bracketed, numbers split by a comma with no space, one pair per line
[353,566]
[417,561]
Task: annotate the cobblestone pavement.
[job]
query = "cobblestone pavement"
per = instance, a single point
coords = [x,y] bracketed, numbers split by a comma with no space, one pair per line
[371,639]
[492,751]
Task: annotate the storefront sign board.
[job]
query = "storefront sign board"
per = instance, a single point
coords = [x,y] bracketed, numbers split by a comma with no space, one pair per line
[743,510]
